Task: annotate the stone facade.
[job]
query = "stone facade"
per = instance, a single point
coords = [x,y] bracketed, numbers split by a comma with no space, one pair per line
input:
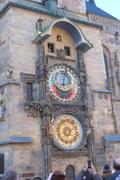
[78,6]
[26,57]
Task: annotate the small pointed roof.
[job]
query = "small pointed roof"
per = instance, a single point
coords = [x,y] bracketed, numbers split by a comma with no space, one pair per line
[92,8]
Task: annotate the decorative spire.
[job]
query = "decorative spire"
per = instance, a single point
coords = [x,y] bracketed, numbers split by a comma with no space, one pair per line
[92,1]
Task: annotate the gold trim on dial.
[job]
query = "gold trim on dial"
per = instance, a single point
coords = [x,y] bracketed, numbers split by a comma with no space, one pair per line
[67,132]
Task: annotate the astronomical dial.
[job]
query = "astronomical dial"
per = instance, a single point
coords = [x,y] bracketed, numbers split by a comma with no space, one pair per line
[67,132]
[63,83]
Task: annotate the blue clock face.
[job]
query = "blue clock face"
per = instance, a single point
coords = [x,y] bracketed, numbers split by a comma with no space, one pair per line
[63,83]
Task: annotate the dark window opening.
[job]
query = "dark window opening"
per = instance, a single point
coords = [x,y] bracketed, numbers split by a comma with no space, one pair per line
[29,91]
[67,51]
[51,48]
[107,83]
[1,163]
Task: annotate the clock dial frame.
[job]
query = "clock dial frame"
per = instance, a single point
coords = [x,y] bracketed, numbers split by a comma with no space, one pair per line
[67,132]
[63,83]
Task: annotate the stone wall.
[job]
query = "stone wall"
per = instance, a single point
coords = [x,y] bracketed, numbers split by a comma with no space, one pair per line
[77,6]
[23,58]
[19,35]
[76,161]
[4,45]
[94,59]
[109,25]
[111,44]
[112,151]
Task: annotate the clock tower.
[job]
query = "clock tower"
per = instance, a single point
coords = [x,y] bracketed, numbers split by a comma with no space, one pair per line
[61,74]
[59,87]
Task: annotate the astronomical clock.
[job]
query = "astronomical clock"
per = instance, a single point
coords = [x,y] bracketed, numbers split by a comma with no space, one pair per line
[61,78]
[64,89]
[63,83]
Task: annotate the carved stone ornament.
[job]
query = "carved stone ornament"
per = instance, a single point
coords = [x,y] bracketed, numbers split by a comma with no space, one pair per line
[39,25]
[41,71]
[60,53]
[83,77]
[112,40]
[9,73]
[33,109]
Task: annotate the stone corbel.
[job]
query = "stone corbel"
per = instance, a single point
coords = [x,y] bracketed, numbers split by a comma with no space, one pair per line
[28,77]
[35,109]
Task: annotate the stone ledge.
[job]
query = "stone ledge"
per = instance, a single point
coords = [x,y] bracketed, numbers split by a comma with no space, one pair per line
[16,139]
[111,138]
[102,91]
[83,152]
[9,81]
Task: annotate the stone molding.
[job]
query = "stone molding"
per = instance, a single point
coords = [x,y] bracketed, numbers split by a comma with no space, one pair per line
[28,77]
[101,91]
[31,6]
[74,153]
[8,82]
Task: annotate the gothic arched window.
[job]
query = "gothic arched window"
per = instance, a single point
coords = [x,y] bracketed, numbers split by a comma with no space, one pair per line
[106,56]
[107,82]
[70,173]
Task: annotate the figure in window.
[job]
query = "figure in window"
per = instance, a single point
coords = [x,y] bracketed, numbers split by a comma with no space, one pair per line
[67,51]
[51,48]
[59,38]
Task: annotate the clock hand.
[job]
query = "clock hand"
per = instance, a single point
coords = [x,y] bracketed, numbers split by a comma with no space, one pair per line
[64,80]
[65,74]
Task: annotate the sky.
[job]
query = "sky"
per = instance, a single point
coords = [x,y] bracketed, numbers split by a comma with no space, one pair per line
[110,6]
